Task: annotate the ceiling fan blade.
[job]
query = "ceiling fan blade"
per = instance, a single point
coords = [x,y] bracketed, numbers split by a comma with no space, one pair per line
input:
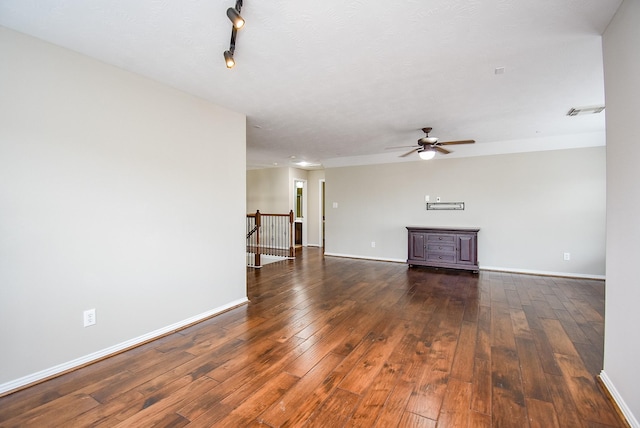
[409,152]
[401,147]
[458,142]
[442,150]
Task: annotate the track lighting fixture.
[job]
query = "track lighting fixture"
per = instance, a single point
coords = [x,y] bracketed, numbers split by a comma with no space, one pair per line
[238,22]
[228,59]
[236,19]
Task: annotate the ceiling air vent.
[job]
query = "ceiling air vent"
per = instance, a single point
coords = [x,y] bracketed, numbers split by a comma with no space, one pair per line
[585,110]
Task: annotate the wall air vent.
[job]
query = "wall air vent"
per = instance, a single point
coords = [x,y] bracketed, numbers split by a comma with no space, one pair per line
[585,110]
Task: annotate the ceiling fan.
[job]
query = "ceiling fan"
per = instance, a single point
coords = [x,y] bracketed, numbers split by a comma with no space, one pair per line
[428,146]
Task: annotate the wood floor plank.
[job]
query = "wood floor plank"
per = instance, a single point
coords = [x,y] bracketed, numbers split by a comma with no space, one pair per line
[55,413]
[396,406]
[340,339]
[456,406]
[333,316]
[519,323]
[502,328]
[329,341]
[508,410]
[259,401]
[506,375]
[125,381]
[563,402]
[429,391]
[591,404]
[411,420]
[464,356]
[335,411]
[113,412]
[237,358]
[533,379]
[154,412]
[431,387]
[300,401]
[372,361]
[542,414]
[545,352]
[591,356]
[483,341]
[239,386]
[479,420]
[572,328]
[558,338]
[481,387]
[374,399]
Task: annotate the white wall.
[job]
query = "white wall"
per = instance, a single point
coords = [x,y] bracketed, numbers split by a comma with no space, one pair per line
[622,88]
[268,191]
[313,213]
[113,196]
[531,208]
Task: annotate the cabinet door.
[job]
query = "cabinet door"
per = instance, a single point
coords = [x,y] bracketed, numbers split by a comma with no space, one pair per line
[417,249]
[467,252]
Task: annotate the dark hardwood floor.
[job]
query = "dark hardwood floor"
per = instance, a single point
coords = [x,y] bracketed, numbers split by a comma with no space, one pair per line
[331,342]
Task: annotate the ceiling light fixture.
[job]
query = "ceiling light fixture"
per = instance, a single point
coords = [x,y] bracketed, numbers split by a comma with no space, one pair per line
[238,22]
[427,154]
[234,16]
[228,59]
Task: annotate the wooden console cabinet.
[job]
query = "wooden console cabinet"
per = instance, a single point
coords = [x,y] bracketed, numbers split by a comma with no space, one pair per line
[455,248]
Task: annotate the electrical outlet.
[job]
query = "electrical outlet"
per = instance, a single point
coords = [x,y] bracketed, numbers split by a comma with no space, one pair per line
[373,244]
[89,317]
[426,198]
[567,256]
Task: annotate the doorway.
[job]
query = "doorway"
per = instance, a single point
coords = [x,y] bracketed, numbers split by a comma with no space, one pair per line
[300,211]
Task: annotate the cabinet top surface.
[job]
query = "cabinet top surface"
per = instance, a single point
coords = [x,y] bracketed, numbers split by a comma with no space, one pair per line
[444,229]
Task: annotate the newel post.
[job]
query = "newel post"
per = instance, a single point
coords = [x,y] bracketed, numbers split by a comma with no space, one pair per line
[257,253]
[291,248]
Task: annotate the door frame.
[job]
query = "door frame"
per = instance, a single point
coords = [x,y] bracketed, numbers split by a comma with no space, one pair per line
[302,219]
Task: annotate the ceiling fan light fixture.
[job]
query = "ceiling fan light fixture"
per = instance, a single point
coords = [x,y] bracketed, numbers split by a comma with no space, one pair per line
[427,154]
[228,59]
[236,19]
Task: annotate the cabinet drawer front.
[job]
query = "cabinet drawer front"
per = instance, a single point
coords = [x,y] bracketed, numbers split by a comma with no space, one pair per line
[441,257]
[441,247]
[441,238]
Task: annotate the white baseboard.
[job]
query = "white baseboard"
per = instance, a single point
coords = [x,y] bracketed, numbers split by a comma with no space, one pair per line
[78,362]
[626,411]
[352,256]
[543,272]
[489,268]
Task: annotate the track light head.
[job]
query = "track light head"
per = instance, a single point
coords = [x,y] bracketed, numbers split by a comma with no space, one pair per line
[236,19]
[228,59]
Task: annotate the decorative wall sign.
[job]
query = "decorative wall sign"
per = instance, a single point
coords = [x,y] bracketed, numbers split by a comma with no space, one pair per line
[445,205]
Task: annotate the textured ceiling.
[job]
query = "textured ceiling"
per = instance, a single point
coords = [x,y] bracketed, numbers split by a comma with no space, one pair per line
[336,82]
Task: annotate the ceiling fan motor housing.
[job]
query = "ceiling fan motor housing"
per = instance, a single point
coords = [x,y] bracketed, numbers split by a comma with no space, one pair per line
[428,140]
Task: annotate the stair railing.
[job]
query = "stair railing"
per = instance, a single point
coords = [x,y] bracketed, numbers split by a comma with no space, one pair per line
[271,235]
